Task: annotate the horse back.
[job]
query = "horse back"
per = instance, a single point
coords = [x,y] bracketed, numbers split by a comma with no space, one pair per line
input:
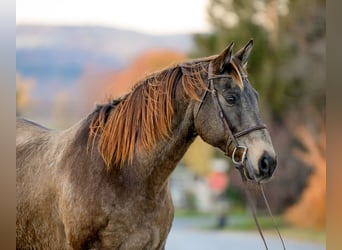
[37,210]
[29,132]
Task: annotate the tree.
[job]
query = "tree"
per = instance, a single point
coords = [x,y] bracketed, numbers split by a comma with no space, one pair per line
[286,67]
[288,40]
[310,210]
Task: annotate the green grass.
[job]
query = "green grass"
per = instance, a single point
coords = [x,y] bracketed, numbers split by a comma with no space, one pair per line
[245,222]
[287,231]
[190,214]
[316,236]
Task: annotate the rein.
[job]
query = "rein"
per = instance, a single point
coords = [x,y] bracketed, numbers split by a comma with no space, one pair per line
[235,151]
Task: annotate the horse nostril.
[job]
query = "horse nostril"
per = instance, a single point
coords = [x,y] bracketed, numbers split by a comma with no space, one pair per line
[263,165]
[267,164]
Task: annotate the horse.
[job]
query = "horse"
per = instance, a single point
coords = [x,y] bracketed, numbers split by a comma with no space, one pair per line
[103,182]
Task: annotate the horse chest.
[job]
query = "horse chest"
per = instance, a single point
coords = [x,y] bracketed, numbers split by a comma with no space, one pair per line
[142,224]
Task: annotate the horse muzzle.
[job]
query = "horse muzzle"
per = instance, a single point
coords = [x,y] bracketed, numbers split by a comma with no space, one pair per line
[266,166]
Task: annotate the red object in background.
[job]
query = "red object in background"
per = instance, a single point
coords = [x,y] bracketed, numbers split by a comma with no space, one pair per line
[218,181]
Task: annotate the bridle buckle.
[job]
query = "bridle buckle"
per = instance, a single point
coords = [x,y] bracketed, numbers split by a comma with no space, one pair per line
[243,156]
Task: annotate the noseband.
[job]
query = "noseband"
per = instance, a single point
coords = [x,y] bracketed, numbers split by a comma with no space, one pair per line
[232,138]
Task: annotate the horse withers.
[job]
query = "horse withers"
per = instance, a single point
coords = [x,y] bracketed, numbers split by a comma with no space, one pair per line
[103,183]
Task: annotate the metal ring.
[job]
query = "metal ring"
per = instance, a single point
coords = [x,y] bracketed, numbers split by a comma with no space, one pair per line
[244,148]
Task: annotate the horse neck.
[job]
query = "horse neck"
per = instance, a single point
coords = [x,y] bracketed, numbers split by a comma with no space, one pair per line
[167,153]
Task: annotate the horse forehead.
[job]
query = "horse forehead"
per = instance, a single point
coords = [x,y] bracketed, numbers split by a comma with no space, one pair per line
[249,98]
[248,88]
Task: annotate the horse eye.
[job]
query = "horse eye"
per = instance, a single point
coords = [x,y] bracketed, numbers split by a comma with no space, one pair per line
[231,100]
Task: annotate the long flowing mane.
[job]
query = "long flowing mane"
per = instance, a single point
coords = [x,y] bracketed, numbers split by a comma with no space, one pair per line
[144,116]
[140,118]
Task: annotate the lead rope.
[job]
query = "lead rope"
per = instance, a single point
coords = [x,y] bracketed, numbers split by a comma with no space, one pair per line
[253,208]
[251,204]
[270,213]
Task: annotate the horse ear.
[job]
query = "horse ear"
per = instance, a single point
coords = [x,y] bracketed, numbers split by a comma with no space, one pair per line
[243,54]
[222,60]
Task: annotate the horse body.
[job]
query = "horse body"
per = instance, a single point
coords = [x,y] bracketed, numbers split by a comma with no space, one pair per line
[103,183]
[70,201]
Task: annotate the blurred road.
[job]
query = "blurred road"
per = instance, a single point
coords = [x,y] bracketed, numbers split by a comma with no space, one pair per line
[187,235]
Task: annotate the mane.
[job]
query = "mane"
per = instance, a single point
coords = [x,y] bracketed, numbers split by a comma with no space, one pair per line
[237,71]
[142,117]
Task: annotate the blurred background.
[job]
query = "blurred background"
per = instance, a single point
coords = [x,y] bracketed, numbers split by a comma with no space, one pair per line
[71,55]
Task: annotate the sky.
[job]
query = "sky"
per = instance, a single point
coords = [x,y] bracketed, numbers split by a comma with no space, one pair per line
[148,16]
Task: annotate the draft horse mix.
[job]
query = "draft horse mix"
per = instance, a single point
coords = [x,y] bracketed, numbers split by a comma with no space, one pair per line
[103,183]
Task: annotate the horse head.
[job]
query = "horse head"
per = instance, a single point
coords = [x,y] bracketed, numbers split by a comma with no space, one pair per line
[228,116]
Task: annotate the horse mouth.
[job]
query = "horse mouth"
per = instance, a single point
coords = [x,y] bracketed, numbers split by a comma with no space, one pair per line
[245,171]
[254,177]
[250,173]
[247,174]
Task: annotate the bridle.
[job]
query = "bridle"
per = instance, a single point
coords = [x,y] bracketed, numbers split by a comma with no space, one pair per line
[234,149]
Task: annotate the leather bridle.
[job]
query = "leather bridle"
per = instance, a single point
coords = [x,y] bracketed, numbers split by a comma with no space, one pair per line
[233,150]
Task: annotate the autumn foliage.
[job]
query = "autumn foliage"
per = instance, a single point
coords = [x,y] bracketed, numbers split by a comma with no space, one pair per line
[99,87]
[23,93]
[121,82]
[310,210]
